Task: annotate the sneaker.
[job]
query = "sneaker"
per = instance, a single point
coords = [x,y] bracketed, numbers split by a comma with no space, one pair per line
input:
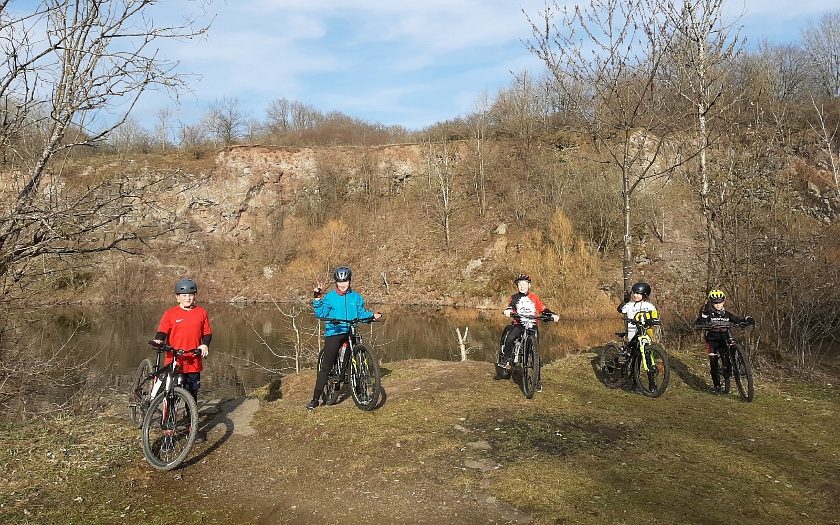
[539,387]
[312,405]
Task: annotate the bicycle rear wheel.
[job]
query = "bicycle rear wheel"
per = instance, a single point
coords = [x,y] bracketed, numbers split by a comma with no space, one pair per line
[530,366]
[169,428]
[653,381]
[141,389]
[365,378]
[742,369]
[610,367]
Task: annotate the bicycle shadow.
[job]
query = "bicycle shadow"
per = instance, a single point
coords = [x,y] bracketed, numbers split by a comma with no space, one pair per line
[688,377]
[211,416]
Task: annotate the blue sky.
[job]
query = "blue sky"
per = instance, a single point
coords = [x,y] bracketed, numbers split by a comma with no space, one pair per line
[393,62]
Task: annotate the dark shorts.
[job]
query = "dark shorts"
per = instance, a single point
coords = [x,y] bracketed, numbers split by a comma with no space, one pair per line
[192,382]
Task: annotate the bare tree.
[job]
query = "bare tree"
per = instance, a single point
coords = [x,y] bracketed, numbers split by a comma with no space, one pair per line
[71,72]
[278,116]
[703,52]
[606,60]
[480,125]
[828,138]
[226,120]
[822,43]
[442,179]
[163,129]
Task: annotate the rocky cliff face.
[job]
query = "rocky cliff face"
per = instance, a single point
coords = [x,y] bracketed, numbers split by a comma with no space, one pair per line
[249,185]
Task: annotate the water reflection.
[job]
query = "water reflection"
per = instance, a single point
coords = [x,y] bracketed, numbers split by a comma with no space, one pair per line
[252,343]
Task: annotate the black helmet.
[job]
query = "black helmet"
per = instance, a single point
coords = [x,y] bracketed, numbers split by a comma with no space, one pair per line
[186,286]
[642,288]
[342,274]
[522,277]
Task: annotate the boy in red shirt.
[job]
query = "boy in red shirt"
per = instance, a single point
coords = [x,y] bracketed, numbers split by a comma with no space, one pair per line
[185,327]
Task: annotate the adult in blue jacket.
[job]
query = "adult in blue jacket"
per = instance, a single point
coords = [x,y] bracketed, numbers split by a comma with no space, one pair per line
[340,303]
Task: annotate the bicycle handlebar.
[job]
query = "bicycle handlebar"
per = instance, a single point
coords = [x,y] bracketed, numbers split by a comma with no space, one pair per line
[541,317]
[724,324]
[357,320]
[164,347]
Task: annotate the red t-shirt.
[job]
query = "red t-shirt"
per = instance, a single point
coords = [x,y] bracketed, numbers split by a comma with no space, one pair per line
[183,329]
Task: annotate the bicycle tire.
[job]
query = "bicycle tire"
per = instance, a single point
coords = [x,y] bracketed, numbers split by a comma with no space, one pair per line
[365,378]
[658,374]
[742,369]
[141,389]
[168,435]
[530,366]
[611,372]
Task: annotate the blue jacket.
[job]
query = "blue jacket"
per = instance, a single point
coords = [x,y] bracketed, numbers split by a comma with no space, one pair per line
[348,306]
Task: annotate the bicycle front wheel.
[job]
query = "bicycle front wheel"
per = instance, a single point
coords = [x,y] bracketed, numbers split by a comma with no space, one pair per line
[530,366]
[652,374]
[365,378]
[742,369]
[141,389]
[169,428]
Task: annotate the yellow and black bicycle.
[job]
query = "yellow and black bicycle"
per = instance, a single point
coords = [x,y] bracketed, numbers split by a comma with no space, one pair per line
[640,358]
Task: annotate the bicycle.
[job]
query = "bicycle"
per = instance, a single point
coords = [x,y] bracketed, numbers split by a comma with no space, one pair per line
[169,412]
[525,353]
[362,374]
[633,358]
[736,354]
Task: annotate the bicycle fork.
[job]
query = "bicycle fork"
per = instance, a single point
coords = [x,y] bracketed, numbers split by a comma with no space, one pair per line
[643,342]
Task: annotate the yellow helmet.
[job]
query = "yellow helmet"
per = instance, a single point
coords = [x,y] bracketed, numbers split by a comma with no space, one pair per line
[716,296]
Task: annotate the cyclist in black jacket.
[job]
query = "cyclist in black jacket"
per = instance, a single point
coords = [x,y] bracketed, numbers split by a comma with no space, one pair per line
[716,319]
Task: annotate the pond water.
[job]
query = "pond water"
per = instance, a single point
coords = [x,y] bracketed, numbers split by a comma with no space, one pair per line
[253,344]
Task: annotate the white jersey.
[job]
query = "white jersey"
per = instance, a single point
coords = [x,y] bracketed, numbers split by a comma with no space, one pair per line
[629,311]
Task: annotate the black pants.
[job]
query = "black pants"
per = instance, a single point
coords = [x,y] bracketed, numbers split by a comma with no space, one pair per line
[716,349]
[510,334]
[329,354]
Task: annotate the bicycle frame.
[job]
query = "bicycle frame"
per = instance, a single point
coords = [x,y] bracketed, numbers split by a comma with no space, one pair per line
[166,377]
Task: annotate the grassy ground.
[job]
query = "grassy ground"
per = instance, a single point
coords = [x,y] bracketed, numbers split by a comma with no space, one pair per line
[453,444]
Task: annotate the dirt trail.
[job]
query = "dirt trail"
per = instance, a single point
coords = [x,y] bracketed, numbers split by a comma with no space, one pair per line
[275,462]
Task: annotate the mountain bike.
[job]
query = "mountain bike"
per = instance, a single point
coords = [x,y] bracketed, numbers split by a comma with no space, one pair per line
[169,412]
[357,366]
[525,353]
[641,359]
[734,361]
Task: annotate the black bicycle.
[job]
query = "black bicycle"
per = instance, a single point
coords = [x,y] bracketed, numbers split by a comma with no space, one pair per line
[734,361]
[168,412]
[525,353]
[357,366]
[640,358]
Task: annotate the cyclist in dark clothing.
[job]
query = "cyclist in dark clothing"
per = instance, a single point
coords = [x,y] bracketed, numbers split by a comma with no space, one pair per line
[715,318]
